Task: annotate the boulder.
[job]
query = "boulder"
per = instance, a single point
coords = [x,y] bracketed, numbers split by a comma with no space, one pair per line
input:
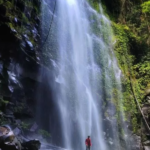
[17,131]
[14,145]
[8,141]
[34,127]
[146,147]
[32,145]
[146,143]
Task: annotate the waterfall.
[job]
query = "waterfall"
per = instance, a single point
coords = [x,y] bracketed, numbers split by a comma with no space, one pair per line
[80,55]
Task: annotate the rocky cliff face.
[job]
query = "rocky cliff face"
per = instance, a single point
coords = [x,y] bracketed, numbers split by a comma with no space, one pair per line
[19,36]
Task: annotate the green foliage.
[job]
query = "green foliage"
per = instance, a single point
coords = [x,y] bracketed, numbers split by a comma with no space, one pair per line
[94,4]
[24,18]
[4,121]
[44,133]
[8,5]
[146,7]
[124,43]
[24,125]
[135,125]
[142,70]
[3,104]
[1,1]
[121,46]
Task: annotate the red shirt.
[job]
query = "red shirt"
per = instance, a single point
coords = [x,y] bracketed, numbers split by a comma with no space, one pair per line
[88,142]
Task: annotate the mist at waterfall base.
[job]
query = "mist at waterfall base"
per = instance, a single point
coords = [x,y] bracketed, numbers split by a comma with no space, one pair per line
[76,91]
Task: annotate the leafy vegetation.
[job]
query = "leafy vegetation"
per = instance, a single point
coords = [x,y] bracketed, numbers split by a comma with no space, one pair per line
[146,7]
[24,125]
[130,22]
[132,51]
[44,133]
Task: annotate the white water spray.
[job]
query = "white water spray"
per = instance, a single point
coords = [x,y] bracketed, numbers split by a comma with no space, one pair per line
[84,67]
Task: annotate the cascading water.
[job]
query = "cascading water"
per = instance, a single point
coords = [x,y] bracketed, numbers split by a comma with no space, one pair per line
[80,50]
[78,101]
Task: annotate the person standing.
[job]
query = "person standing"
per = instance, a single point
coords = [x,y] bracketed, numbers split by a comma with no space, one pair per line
[88,143]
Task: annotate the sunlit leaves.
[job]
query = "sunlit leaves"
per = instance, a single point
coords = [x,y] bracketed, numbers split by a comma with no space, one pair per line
[146,7]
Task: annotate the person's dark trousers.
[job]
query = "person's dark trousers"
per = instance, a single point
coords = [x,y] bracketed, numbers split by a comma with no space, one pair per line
[87,147]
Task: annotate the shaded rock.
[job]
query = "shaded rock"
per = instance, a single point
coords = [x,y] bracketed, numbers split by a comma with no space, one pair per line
[37,2]
[8,111]
[14,145]
[10,106]
[29,45]
[8,141]
[15,20]
[146,147]
[9,117]
[22,111]
[31,145]
[17,131]
[146,143]
[11,88]
[25,36]
[18,121]
[34,32]
[12,77]
[34,127]
[3,131]
[37,19]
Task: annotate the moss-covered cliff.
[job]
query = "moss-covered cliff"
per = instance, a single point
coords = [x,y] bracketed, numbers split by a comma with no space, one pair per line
[19,35]
[130,22]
